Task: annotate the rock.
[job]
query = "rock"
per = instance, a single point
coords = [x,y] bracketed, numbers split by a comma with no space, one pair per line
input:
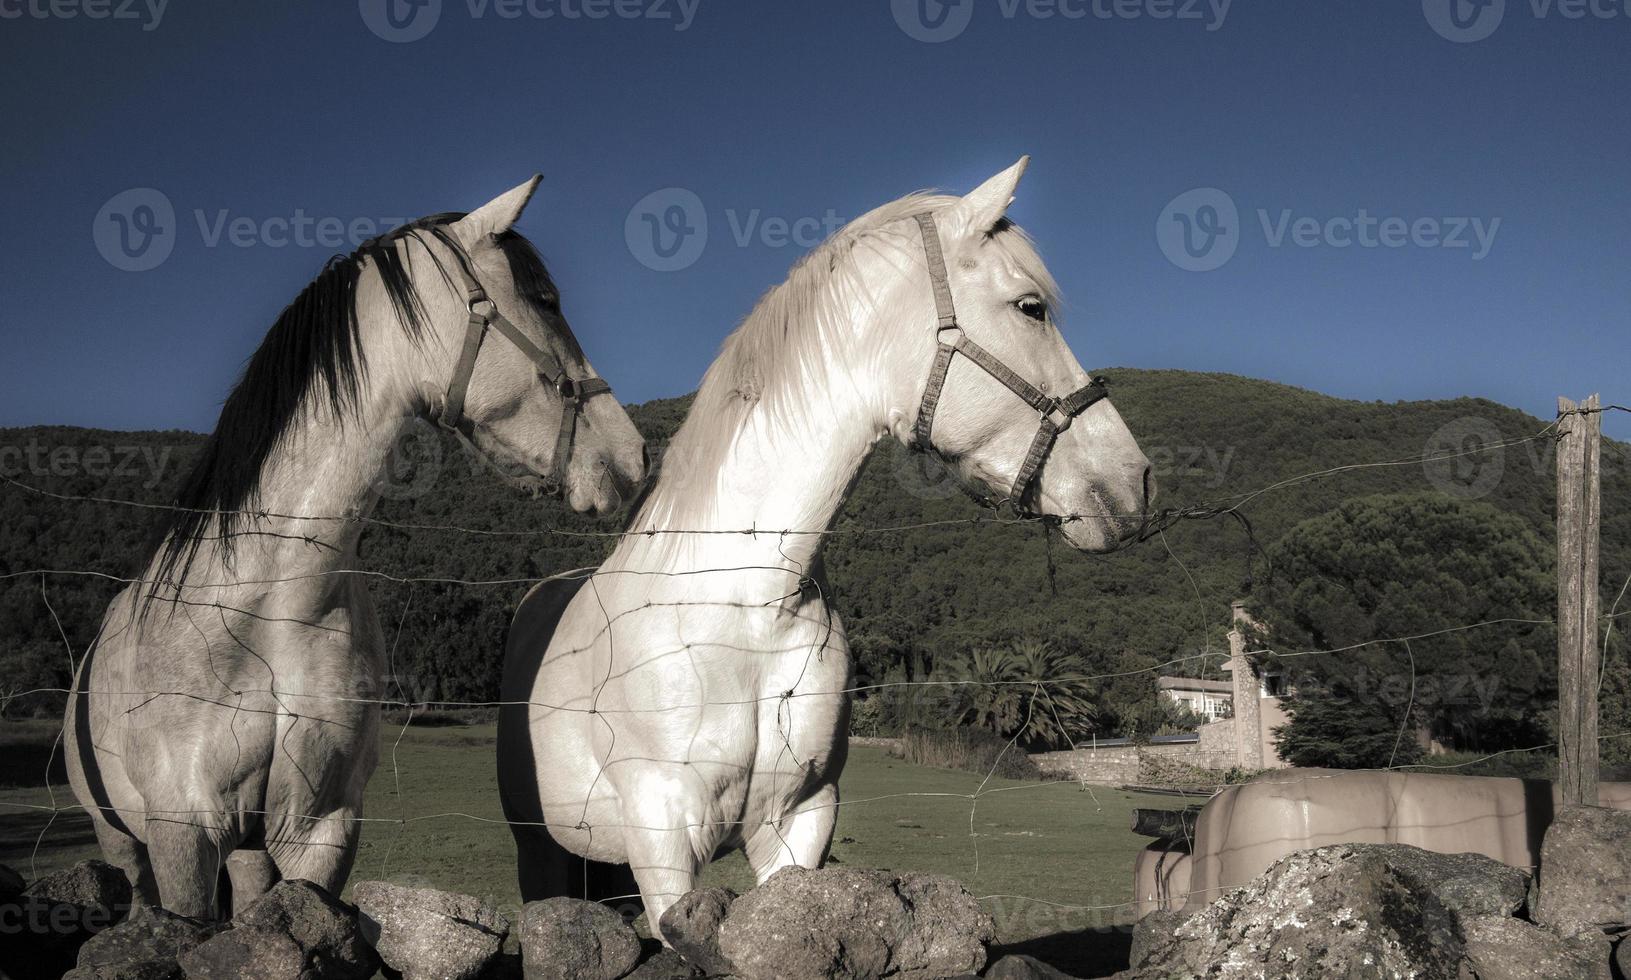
[1347,910]
[1584,882]
[425,934]
[1154,931]
[1509,949]
[97,889]
[43,925]
[147,945]
[1468,885]
[666,965]
[840,922]
[296,931]
[691,926]
[570,939]
[1017,966]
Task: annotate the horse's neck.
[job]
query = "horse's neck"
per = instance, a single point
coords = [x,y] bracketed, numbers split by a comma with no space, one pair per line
[315,491]
[779,475]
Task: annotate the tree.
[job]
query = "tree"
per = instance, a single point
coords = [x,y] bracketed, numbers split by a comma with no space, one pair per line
[1030,692]
[1459,590]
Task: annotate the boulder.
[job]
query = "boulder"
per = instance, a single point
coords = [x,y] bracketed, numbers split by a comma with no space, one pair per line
[1468,885]
[296,931]
[1153,932]
[1510,949]
[1346,910]
[98,890]
[691,926]
[1584,882]
[425,934]
[44,924]
[666,965]
[1017,966]
[147,945]
[840,922]
[570,939]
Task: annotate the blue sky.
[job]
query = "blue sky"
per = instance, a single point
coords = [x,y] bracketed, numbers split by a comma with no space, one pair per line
[1314,121]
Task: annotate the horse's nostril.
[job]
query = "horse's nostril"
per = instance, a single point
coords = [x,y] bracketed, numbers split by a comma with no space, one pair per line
[1149,485]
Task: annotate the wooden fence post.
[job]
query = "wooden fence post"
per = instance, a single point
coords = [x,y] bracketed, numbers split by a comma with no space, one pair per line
[1578,660]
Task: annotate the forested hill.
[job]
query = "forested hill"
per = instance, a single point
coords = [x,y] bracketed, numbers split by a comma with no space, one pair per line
[907,595]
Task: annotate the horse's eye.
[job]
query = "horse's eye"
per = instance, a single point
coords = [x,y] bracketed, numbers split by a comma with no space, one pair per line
[1033,308]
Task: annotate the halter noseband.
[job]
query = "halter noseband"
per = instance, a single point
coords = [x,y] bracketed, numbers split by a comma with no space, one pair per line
[484,313]
[1056,413]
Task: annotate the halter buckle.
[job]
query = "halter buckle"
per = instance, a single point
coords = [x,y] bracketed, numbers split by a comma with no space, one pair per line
[1055,407]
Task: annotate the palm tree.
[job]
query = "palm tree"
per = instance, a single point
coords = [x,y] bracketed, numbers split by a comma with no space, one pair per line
[1030,692]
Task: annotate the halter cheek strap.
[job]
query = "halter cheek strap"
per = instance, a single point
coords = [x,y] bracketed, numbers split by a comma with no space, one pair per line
[1056,413]
[484,314]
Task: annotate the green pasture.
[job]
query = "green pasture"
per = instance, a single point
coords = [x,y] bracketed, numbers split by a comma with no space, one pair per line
[1052,861]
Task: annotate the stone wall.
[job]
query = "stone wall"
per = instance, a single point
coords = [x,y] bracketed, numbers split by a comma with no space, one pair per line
[1121,764]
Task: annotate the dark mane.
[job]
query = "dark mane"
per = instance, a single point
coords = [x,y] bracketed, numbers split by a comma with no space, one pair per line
[310,359]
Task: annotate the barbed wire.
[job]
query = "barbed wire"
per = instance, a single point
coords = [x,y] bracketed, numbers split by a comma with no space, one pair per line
[1154,525]
[1205,509]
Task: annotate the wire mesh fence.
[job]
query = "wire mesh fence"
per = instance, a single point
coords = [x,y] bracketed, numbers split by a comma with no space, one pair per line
[796,585]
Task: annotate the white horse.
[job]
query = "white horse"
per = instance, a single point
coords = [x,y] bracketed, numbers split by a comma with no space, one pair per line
[691,696]
[231,700]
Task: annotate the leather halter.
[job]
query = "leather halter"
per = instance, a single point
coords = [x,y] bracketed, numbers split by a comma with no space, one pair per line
[484,313]
[1056,413]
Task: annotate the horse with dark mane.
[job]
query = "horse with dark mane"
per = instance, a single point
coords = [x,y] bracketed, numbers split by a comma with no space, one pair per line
[230,704]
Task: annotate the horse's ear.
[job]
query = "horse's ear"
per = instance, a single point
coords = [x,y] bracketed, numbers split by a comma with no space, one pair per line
[980,210]
[496,216]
